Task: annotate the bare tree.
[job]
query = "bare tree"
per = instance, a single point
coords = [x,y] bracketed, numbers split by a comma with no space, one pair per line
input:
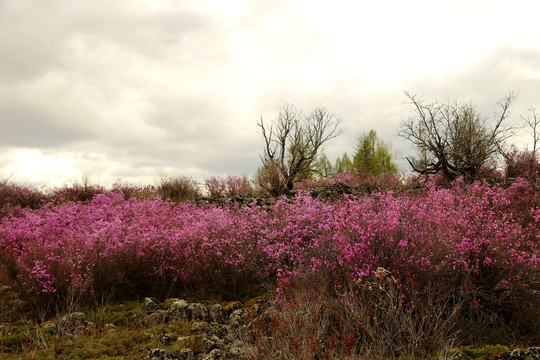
[293,143]
[533,122]
[452,138]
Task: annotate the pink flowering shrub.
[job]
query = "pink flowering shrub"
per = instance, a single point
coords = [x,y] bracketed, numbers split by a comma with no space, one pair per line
[76,191]
[12,195]
[490,174]
[215,185]
[523,164]
[110,246]
[476,245]
[228,186]
[237,185]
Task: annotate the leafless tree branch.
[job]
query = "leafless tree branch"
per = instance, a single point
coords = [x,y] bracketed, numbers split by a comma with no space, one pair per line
[452,137]
[293,142]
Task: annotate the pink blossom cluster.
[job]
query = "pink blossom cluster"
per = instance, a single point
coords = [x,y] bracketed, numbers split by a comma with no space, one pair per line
[470,237]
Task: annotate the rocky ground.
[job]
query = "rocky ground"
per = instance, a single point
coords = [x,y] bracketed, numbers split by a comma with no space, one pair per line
[175,329]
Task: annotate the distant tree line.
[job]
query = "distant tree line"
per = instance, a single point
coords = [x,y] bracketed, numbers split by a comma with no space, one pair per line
[451,139]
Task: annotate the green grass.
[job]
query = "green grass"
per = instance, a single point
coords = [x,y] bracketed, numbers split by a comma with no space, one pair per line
[485,353]
[132,339]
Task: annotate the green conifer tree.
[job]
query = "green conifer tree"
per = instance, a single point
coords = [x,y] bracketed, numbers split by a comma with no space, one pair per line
[372,156]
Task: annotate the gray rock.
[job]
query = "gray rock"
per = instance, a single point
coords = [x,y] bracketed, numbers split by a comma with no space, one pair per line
[212,343]
[158,317]
[533,353]
[186,354]
[110,328]
[197,312]
[167,339]
[160,354]
[75,318]
[220,330]
[240,350]
[217,314]
[72,323]
[213,355]
[517,354]
[150,304]
[237,318]
[260,306]
[200,327]
[179,309]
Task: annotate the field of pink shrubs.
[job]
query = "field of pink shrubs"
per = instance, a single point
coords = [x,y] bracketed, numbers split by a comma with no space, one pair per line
[478,244]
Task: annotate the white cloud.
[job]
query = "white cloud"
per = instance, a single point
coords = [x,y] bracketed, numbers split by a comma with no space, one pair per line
[130,89]
[32,166]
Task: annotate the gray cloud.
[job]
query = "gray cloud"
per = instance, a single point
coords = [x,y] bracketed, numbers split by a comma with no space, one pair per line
[506,69]
[131,89]
[37,121]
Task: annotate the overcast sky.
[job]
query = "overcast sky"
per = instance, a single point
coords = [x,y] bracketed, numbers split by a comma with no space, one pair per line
[132,89]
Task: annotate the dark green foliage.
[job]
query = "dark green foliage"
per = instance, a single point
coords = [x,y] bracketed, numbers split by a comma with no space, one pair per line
[487,352]
[12,342]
